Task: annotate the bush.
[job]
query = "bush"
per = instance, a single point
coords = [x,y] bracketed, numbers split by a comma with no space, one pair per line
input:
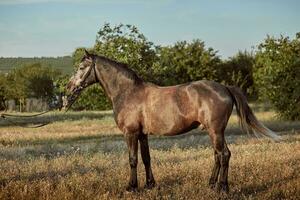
[238,71]
[184,62]
[92,98]
[31,81]
[277,72]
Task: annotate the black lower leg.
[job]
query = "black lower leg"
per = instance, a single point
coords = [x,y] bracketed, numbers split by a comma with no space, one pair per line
[150,182]
[223,180]
[132,144]
[215,172]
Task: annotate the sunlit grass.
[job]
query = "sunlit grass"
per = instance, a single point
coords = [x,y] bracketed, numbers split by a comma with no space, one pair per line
[84,156]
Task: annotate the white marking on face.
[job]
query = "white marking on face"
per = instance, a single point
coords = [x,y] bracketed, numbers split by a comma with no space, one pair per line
[80,74]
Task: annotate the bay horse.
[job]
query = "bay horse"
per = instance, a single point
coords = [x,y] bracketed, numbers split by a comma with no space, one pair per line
[141,108]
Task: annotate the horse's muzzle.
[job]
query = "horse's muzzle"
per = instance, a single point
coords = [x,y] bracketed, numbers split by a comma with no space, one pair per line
[71,98]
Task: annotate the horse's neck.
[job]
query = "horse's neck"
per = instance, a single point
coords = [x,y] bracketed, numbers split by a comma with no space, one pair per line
[113,81]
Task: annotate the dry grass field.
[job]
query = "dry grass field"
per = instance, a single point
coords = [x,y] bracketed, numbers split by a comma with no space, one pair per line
[83,156]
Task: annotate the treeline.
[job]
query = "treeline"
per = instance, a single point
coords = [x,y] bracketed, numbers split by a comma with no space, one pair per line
[271,72]
[164,65]
[64,64]
[30,81]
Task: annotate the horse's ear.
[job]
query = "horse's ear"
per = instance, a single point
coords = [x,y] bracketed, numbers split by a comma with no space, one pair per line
[87,54]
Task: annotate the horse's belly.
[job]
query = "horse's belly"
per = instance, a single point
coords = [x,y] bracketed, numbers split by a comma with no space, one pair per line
[162,129]
[168,112]
[159,124]
[159,127]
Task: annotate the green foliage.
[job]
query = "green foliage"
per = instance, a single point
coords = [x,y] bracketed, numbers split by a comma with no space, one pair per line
[93,98]
[60,83]
[277,72]
[3,90]
[185,62]
[64,64]
[238,71]
[31,81]
[126,44]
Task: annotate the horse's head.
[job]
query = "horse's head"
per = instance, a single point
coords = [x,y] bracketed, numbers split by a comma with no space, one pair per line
[83,77]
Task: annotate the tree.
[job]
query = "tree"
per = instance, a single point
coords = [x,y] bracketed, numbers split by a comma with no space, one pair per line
[3,91]
[277,72]
[64,64]
[17,87]
[31,81]
[185,62]
[238,71]
[125,43]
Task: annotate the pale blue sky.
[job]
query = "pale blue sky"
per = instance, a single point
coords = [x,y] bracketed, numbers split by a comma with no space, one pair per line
[56,27]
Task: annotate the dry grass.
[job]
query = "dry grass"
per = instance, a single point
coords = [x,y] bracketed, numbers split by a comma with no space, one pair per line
[83,156]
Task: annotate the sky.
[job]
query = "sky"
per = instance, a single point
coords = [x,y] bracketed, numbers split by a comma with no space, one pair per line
[31,28]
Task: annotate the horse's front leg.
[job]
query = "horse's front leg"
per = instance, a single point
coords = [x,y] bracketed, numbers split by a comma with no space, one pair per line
[132,144]
[150,182]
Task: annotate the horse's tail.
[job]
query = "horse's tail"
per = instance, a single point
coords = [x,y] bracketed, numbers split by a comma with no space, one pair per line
[247,119]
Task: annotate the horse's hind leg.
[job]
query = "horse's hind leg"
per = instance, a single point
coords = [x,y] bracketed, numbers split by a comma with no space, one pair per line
[224,160]
[215,172]
[150,182]
[222,156]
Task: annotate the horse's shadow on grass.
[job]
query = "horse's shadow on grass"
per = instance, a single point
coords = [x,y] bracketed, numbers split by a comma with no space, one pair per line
[52,117]
[115,143]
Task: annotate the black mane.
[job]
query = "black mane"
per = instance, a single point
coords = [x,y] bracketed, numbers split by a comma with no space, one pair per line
[123,68]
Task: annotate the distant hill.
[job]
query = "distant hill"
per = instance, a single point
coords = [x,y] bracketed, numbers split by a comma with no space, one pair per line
[64,64]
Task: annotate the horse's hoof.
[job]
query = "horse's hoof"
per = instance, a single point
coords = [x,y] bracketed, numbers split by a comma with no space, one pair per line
[223,188]
[149,185]
[212,186]
[131,188]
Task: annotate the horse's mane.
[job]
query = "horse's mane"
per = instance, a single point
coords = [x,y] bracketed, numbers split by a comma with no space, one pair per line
[122,67]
